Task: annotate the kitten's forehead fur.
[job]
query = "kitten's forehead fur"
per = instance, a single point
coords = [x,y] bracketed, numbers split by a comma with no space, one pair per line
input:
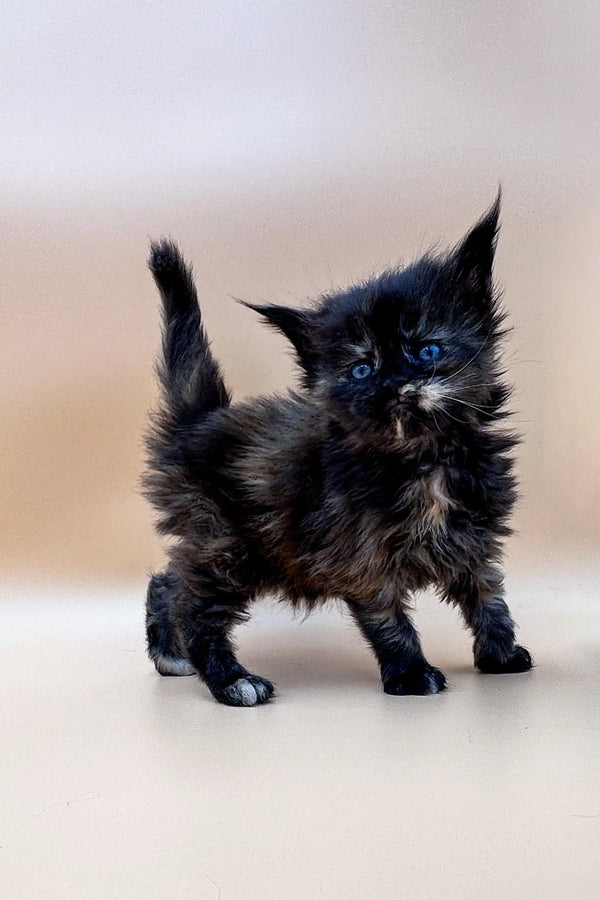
[433,298]
[411,304]
[424,297]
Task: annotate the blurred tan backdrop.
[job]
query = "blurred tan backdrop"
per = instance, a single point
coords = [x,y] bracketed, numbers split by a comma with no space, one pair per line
[288,147]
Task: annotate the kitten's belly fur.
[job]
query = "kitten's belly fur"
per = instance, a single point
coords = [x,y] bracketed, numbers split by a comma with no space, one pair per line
[359,557]
[296,510]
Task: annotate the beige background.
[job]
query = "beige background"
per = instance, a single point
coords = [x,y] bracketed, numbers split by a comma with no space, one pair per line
[287,147]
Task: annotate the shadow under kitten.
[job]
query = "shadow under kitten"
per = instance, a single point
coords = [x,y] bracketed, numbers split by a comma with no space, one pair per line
[388,471]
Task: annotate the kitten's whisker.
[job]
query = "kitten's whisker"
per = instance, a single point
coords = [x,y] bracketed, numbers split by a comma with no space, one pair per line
[445,412]
[468,387]
[482,409]
[481,385]
[468,384]
[436,423]
[472,360]
[480,406]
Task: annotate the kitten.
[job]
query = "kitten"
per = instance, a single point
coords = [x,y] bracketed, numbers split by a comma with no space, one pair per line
[387,472]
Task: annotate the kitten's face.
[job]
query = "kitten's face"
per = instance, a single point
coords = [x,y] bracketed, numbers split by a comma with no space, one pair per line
[398,358]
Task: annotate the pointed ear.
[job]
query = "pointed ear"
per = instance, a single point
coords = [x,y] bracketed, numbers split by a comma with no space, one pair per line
[474,256]
[296,324]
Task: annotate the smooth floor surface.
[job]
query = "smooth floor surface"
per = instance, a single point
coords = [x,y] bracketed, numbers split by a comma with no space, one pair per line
[120,783]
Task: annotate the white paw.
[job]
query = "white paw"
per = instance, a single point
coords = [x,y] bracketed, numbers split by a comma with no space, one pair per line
[242,693]
[246,692]
[173,665]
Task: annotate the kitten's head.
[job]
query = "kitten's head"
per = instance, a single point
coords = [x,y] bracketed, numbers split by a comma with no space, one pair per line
[404,355]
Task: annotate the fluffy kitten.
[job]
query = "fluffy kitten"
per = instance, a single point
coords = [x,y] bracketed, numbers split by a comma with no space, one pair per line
[387,472]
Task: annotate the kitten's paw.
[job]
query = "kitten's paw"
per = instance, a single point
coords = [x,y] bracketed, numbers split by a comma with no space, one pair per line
[172,665]
[420,679]
[518,661]
[250,690]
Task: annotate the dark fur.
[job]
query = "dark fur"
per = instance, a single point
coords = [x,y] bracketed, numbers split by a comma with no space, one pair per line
[322,493]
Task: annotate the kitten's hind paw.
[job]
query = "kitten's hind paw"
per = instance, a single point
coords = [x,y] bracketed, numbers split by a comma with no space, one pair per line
[249,690]
[420,678]
[518,661]
[172,665]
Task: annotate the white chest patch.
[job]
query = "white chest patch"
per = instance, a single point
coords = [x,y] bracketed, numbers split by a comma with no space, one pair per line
[434,500]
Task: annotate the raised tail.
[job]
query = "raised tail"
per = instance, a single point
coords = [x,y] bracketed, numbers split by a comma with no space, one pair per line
[192,388]
[191,381]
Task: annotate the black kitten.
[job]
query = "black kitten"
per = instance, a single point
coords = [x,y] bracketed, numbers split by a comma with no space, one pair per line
[386,473]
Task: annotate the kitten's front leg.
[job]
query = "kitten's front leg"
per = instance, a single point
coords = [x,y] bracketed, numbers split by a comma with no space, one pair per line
[395,642]
[479,595]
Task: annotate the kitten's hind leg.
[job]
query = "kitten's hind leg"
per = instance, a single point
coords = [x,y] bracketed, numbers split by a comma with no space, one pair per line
[228,681]
[163,648]
[479,596]
[395,642]
[204,625]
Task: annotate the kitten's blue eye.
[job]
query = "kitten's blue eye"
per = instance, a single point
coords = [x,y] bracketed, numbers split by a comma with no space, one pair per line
[430,352]
[361,371]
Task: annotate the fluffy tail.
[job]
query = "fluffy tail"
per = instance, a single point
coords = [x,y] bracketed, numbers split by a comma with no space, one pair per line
[191,381]
[192,387]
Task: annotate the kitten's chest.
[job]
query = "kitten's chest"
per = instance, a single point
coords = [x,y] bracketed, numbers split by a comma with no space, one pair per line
[427,501]
[376,524]
[403,528]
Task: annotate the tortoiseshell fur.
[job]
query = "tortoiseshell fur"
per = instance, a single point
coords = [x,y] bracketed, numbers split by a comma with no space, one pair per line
[363,489]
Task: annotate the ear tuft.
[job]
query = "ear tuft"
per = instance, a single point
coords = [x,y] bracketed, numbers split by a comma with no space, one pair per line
[294,323]
[474,256]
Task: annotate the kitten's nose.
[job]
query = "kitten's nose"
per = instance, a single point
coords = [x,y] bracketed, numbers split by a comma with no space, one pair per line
[402,385]
[407,390]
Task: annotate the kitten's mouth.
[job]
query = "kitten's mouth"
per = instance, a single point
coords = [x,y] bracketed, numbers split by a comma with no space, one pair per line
[407,413]
[412,409]
[407,401]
